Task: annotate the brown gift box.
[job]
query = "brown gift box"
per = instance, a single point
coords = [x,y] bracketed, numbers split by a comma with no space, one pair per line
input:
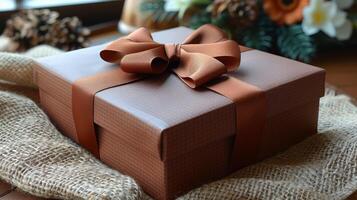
[169,137]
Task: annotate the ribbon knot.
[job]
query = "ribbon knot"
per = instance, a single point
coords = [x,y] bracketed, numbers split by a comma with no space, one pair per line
[205,55]
[172,51]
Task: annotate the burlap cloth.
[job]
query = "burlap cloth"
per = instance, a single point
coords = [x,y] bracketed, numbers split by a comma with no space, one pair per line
[36,158]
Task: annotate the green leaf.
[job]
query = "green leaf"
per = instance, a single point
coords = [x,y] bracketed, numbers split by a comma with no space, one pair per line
[292,42]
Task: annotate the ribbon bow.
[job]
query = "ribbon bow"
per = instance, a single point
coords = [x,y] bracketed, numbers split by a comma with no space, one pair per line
[205,55]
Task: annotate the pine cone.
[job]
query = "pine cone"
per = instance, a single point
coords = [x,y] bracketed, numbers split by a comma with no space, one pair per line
[242,12]
[218,7]
[28,28]
[69,34]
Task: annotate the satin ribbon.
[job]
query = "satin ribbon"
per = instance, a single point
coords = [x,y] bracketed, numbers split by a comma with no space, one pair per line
[205,55]
[202,60]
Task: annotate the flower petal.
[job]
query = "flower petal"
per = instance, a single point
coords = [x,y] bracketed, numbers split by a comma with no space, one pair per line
[316,4]
[329,29]
[344,4]
[344,31]
[307,12]
[330,8]
[308,15]
[308,28]
[339,18]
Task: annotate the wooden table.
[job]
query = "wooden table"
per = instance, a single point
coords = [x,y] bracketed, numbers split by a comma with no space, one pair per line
[341,69]
[7,192]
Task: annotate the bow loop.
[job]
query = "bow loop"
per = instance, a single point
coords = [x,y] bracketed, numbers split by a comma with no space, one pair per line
[206,34]
[152,61]
[139,40]
[227,52]
[141,35]
[206,54]
[197,69]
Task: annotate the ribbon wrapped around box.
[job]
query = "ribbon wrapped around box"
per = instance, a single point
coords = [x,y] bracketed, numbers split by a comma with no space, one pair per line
[173,111]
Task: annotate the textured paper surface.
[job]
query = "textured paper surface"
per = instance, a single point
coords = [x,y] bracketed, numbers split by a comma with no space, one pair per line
[161,103]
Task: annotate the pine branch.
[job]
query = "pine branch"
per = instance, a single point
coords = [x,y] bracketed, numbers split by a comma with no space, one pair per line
[222,20]
[294,43]
[199,19]
[259,36]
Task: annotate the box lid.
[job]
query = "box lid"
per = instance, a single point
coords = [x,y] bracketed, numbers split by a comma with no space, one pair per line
[164,117]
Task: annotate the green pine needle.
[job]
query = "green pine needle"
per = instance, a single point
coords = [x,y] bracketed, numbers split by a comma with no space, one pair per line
[200,19]
[257,39]
[292,42]
[259,36]
[222,20]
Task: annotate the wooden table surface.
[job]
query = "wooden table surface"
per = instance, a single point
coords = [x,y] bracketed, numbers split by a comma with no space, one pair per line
[7,192]
[341,69]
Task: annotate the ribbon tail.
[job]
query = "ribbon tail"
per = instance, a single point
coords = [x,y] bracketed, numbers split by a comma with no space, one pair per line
[206,34]
[83,93]
[250,104]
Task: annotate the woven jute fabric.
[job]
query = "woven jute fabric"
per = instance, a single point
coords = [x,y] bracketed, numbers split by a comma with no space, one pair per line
[17,68]
[37,159]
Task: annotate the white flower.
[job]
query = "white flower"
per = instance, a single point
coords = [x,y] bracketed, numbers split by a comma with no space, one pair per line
[325,16]
[344,4]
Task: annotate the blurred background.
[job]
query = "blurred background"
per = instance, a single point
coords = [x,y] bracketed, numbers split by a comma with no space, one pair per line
[320,32]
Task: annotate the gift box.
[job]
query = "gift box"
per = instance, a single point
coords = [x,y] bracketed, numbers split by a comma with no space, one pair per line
[172,138]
